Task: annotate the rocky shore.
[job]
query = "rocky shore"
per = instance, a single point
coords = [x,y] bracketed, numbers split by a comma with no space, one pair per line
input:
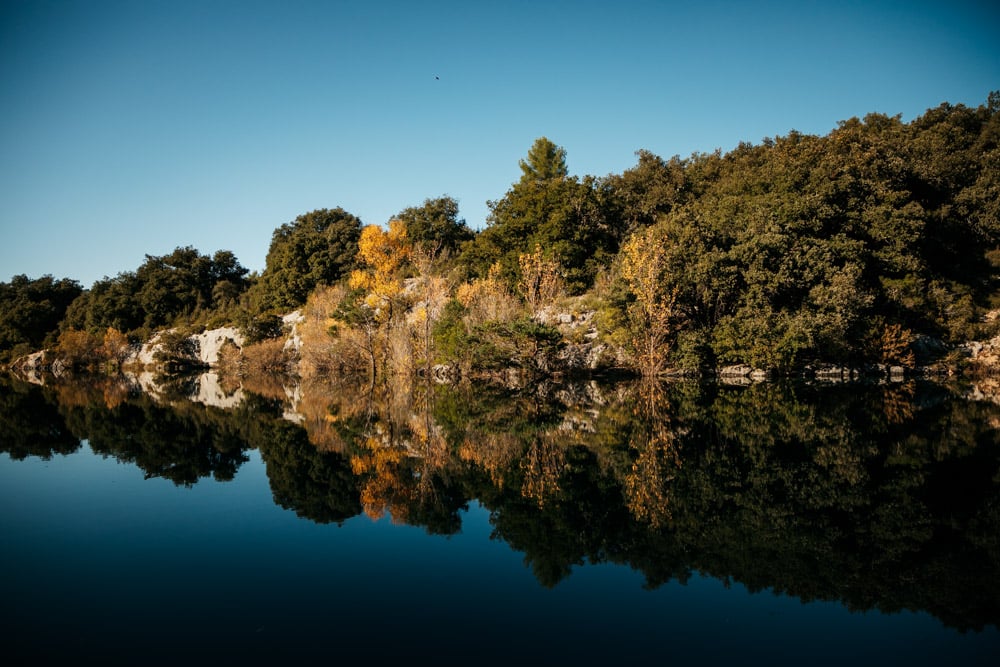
[582,353]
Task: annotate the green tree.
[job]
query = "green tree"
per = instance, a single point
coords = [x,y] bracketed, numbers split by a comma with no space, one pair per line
[30,425]
[646,192]
[545,162]
[314,484]
[316,248]
[110,302]
[30,312]
[435,228]
[182,285]
[562,215]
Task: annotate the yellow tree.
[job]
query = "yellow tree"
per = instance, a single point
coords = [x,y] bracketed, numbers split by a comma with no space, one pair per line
[78,349]
[543,465]
[115,346]
[383,253]
[648,487]
[385,484]
[489,299]
[653,316]
[433,293]
[893,345]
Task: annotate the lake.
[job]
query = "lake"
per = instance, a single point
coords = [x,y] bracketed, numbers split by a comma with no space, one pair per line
[570,524]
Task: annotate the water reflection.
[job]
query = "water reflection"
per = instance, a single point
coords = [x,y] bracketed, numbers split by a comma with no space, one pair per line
[30,426]
[879,497]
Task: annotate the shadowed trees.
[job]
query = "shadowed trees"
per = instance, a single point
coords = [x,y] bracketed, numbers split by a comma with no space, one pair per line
[834,248]
[30,312]
[181,285]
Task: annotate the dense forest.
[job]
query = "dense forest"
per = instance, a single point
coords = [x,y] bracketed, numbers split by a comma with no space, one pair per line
[873,245]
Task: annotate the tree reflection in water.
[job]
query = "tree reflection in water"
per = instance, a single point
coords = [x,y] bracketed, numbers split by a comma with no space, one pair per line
[880,497]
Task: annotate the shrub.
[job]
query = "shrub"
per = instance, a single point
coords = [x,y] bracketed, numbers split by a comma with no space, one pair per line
[268,357]
[176,350]
[78,349]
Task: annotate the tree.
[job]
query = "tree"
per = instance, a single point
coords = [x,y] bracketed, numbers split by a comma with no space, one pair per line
[647,191]
[540,283]
[653,314]
[545,162]
[110,302]
[378,286]
[314,484]
[435,228]
[78,349]
[564,216]
[317,248]
[115,346]
[174,284]
[382,254]
[30,312]
[183,284]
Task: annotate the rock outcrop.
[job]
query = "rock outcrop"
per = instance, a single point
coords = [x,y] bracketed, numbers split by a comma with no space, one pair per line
[205,346]
[983,356]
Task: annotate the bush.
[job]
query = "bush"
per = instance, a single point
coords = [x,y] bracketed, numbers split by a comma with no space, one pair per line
[256,328]
[267,357]
[177,351]
[78,350]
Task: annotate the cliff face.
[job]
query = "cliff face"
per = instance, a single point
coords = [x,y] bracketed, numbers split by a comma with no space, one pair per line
[202,349]
[205,346]
[32,366]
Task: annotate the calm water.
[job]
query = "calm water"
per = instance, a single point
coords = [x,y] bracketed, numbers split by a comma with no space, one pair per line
[682,525]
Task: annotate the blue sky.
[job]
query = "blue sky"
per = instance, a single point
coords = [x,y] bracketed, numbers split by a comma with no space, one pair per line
[129,128]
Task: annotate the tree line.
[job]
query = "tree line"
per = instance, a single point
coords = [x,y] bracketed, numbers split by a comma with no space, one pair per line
[854,248]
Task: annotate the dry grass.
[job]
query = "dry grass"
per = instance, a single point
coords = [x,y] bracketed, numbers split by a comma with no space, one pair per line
[489,300]
[264,368]
[329,348]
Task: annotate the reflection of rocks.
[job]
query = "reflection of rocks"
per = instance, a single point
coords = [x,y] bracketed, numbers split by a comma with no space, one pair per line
[581,421]
[210,392]
[32,368]
[445,374]
[204,388]
[589,393]
[294,398]
[985,389]
[36,366]
[742,375]
[835,374]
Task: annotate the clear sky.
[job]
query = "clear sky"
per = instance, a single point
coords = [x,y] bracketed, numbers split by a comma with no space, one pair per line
[131,128]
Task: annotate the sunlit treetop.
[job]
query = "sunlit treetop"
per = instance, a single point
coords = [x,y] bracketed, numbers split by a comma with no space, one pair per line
[545,162]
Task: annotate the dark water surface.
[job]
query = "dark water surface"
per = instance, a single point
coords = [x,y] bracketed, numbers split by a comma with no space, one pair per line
[586,525]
